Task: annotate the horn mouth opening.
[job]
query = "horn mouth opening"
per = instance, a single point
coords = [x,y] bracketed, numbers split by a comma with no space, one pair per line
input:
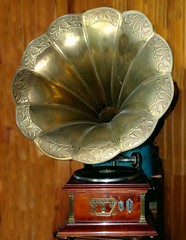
[107,114]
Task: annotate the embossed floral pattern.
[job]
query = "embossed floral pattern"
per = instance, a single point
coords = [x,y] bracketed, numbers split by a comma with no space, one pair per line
[54,149]
[162,54]
[26,124]
[138,134]
[63,24]
[137,23]
[34,50]
[163,95]
[102,51]
[97,155]
[20,87]
[102,14]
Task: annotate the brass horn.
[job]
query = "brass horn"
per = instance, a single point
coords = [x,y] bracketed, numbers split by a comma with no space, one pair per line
[93,85]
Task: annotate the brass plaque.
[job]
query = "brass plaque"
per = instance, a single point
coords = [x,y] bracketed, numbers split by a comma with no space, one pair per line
[103,206]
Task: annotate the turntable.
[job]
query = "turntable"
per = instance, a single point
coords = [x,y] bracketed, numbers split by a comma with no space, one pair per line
[93,88]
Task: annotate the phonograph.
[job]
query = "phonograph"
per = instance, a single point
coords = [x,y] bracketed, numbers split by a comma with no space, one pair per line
[93,88]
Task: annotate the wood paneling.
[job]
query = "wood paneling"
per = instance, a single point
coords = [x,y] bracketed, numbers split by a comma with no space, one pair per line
[31,203]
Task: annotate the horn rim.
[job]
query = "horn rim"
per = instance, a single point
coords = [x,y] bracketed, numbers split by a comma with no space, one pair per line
[117,138]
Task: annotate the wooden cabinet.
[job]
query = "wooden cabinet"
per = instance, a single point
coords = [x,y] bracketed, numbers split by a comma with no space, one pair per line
[107,210]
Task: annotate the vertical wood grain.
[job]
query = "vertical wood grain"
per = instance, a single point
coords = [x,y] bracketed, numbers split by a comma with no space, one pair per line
[32,204]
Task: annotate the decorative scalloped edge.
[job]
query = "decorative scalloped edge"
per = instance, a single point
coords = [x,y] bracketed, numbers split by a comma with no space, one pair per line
[34,49]
[101,14]
[163,97]
[53,149]
[62,24]
[162,53]
[24,122]
[138,134]
[135,22]
[99,154]
[20,87]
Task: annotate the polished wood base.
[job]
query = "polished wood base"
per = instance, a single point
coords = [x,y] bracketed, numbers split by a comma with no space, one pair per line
[110,210]
[111,230]
[112,238]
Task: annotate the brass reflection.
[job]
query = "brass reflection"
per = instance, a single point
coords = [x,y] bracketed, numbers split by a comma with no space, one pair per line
[93,85]
[103,207]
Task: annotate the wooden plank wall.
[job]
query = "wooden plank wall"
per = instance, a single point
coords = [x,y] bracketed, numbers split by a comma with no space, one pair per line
[31,203]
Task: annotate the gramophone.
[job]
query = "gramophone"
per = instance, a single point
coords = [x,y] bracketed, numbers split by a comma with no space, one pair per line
[93,88]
